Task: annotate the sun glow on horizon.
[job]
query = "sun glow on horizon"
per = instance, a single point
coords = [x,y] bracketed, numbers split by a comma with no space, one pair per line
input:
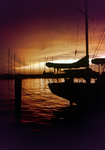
[41,66]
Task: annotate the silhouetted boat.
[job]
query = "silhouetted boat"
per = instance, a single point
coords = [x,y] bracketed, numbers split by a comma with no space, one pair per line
[84,94]
[48,73]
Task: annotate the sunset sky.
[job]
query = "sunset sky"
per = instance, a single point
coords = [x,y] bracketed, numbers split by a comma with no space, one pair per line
[36,30]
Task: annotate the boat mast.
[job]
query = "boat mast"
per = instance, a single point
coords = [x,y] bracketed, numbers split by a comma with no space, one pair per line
[88,79]
[86,30]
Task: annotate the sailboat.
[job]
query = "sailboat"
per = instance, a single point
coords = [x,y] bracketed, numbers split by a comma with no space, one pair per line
[83,94]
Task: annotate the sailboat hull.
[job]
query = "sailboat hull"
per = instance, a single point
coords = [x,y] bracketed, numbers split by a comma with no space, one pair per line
[84,94]
[79,93]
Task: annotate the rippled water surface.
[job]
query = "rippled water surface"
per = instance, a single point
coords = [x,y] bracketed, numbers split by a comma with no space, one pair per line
[37,102]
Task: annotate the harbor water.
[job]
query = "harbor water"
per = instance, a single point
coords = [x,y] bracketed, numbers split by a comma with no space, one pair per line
[39,128]
[37,102]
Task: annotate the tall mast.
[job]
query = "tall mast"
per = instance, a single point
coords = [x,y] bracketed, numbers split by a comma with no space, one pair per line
[88,79]
[14,63]
[86,30]
[8,58]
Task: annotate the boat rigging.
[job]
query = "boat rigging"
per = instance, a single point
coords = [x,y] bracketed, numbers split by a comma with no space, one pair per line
[83,94]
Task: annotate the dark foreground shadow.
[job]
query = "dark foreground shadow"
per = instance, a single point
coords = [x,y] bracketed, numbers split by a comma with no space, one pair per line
[71,128]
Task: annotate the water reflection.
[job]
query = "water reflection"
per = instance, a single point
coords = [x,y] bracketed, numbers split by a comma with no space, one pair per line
[38,103]
[7,102]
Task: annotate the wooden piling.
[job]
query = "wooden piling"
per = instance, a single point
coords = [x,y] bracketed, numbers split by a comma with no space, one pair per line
[18,81]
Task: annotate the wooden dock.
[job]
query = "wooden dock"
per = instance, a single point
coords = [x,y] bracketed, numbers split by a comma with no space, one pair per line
[26,76]
[46,75]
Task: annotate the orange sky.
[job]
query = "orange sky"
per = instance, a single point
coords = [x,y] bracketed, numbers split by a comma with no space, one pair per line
[40,30]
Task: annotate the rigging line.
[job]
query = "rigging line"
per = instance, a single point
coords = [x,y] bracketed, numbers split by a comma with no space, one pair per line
[78,16]
[35,93]
[84,13]
[90,38]
[97,46]
[57,25]
[79,27]
[77,32]
[67,27]
[101,39]
[47,97]
[100,45]
[96,26]
[75,25]
[36,96]
[30,95]
[26,93]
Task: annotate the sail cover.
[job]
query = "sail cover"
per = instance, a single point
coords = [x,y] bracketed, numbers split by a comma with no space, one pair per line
[83,62]
[98,61]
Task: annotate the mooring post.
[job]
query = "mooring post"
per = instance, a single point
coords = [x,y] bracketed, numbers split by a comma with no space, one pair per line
[18,100]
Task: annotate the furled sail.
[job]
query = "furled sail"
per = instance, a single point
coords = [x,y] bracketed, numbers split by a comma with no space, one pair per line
[98,61]
[83,62]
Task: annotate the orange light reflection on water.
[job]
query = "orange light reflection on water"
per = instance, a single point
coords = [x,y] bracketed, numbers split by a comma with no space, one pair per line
[38,103]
